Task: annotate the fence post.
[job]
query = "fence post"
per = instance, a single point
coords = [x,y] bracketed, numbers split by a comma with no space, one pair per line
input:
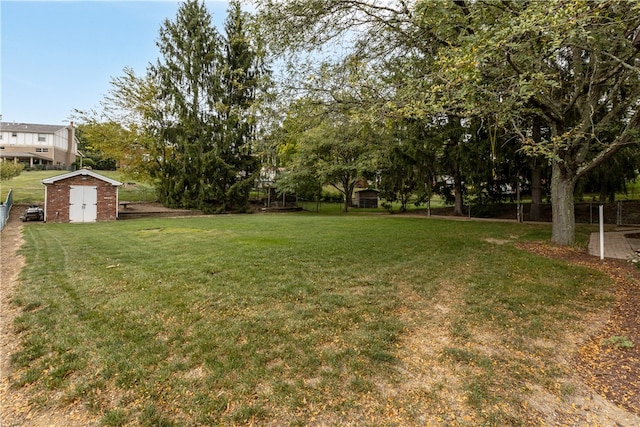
[619,217]
[601,215]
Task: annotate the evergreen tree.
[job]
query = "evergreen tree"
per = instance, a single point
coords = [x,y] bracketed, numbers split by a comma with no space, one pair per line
[208,85]
[236,167]
[188,76]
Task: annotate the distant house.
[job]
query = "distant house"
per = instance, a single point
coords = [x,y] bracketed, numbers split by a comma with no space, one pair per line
[365,198]
[40,146]
[80,196]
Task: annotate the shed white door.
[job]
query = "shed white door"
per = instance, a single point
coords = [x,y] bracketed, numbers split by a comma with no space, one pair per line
[83,203]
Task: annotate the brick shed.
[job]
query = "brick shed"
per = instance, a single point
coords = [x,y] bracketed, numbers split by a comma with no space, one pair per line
[80,196]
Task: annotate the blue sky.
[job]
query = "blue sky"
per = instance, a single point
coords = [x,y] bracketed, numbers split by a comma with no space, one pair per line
[58,56]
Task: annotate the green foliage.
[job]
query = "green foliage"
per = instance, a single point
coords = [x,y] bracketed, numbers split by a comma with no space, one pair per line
[326,144]
[408,166]
[209,86]
[506,64]
[188,79]
[101,145]
[121,132]
[10,170]
[613,176]
[617,341]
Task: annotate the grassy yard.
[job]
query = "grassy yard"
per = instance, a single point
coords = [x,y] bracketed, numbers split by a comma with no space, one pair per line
[28,188]
[298,319]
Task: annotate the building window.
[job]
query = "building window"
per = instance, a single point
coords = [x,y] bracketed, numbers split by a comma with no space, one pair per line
[42,150]
[14,134]
[42,138]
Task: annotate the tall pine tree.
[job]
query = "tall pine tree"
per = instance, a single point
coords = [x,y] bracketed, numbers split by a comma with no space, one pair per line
[241,80]
[188,78]
[208,86]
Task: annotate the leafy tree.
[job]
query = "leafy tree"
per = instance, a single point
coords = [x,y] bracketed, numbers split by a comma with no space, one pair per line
[242,79]
[120,130]
[327,146]
[408,167]
[188,77]
[571,63]
[190,123]
[92,136]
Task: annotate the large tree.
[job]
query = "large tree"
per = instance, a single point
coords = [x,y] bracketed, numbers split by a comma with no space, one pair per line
[570,63]
[209,85]
[188,76]
[190,122]
[244,76]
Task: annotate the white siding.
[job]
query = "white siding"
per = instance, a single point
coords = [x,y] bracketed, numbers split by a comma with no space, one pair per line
[60,139]
[31,139]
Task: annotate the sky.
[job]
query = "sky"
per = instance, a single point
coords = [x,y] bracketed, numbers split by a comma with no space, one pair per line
[61,55]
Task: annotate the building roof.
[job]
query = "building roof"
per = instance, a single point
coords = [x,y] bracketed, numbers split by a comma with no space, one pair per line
[30,127]
[84,172]
[23,155]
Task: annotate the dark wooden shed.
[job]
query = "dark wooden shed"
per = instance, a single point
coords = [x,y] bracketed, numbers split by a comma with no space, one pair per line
[365,198]
[80,196]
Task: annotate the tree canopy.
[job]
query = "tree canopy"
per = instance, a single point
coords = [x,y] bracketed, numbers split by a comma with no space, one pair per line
[570,67]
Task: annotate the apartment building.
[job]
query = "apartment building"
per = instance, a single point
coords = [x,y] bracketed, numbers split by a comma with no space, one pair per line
[39,146]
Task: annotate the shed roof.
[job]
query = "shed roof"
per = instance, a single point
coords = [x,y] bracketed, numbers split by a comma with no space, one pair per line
[30,127]
[85,172]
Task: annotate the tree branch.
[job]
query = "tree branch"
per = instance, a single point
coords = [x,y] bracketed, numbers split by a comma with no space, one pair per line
[625,138]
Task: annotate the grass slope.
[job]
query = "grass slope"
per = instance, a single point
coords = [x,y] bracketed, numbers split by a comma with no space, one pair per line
[297,319]
[28,188]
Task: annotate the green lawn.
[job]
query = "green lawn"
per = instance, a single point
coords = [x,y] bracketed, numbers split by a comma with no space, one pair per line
[295,319]
[28,188]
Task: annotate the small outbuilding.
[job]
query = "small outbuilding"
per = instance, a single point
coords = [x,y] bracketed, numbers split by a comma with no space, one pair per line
[365,198]
[80,196]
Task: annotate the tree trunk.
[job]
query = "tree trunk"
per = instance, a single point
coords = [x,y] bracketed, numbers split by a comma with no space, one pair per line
[536,191]
[564,221]
[348,186]
[457,193]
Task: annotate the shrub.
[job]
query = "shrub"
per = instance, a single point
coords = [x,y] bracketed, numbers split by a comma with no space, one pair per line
[332,197]
[635,259]
[9,170]
[618,342]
